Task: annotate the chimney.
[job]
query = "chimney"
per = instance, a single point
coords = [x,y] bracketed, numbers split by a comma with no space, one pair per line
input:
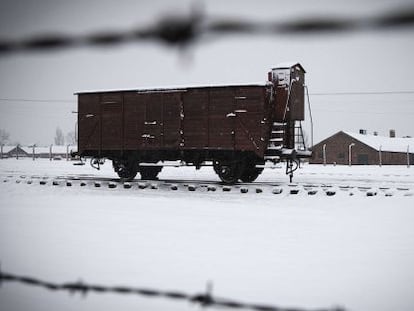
[392,133]
[363,132]
[375,133]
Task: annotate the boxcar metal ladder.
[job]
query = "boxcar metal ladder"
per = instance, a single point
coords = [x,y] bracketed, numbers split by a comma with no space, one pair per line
[277,135]
[276,141]
[299,137]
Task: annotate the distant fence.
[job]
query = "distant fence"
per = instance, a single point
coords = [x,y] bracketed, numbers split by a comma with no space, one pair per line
[51,152]
[204,299]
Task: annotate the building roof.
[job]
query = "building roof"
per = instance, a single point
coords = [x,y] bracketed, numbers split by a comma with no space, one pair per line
[7,149]
[391,144]
[288,65]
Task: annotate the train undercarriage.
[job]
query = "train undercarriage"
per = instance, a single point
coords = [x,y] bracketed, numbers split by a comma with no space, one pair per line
[230,166]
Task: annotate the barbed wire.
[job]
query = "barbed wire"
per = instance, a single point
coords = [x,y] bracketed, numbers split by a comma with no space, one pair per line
[203,299]
[183,30]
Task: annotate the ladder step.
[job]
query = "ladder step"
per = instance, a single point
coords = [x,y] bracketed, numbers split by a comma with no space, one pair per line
[276,139]
[271,157]
[278,132]
[279,147]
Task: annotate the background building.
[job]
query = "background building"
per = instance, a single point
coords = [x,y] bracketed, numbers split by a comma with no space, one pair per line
[362,148]
[53,152]
[12,152]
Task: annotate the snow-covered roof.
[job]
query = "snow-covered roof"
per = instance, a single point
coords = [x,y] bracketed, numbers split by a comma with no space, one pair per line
[170,88]
[391,144]
[289,65]
[7,149]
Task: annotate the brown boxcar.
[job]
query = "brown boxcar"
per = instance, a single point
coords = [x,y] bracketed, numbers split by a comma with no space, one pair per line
[236,127]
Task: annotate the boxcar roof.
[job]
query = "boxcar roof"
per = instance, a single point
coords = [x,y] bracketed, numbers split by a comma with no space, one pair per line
[173,89]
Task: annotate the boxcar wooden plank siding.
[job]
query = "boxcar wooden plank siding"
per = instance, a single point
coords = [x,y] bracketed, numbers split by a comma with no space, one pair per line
[171,126]
[195,118]
[186,119]
[89,122]
[132,126]
[111,121]
[220,125]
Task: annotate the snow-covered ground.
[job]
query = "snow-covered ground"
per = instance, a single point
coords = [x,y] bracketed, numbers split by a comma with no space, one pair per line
[302,250]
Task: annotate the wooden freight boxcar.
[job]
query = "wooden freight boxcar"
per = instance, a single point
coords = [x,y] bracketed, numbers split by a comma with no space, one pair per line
[236,128]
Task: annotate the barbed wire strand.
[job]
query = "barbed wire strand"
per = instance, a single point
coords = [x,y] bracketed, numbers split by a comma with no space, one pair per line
[184,30]
[204,299]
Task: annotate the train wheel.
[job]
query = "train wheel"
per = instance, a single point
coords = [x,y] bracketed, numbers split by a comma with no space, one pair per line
[250,173]
[229,171]
[125,170]
[149,172]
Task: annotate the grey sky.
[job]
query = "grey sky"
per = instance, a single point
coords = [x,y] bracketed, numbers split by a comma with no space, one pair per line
[352,62]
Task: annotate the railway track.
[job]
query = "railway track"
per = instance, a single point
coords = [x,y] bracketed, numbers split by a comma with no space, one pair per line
[331,189]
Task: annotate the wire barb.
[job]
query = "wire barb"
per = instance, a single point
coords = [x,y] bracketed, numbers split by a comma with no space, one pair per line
[183,30]
[205,300]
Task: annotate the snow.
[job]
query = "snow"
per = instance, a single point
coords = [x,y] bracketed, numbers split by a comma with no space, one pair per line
[394,144]
[286,250]
[173,88]
[287,64]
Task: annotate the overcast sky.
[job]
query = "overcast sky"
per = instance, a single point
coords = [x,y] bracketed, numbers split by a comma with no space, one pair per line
[366,61]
